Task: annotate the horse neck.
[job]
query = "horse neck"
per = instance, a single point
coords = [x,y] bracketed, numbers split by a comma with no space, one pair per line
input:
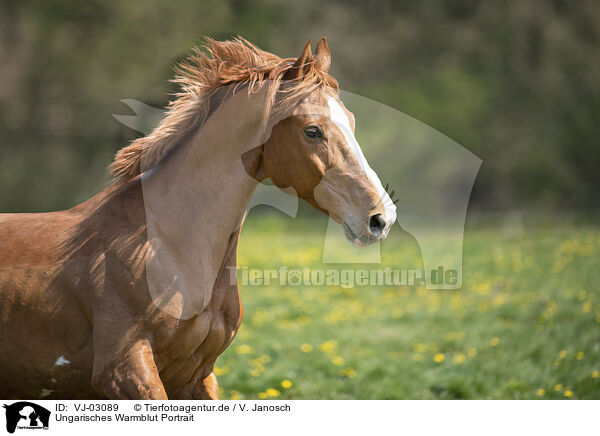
[205,177]
[196,200]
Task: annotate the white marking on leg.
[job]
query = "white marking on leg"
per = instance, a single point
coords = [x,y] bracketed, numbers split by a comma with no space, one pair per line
[61,361]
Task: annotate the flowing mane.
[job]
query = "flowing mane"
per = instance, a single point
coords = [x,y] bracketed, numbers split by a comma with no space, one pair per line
[138,277]
[208,69]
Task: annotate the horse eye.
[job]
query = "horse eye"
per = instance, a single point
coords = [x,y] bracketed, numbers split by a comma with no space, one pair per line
[313,132]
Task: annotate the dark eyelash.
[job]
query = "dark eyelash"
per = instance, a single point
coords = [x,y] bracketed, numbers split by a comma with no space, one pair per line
[391,194]
[316,132]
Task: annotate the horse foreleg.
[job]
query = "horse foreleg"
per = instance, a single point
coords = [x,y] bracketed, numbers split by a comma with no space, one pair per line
[128,375]
[198,389]
[208,388]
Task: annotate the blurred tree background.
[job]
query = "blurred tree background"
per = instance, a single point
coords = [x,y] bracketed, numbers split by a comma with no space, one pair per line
[517,83]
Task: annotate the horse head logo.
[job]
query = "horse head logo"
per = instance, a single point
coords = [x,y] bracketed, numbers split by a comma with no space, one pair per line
[28,415]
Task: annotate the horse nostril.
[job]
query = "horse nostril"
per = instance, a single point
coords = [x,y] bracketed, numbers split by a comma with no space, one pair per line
[376,224]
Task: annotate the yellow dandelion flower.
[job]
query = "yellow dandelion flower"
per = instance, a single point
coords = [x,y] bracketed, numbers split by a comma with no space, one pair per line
[286,384]
[558,387]
[483,288]
[306,348]
[272,392]
[420,348]
[255,373]
[347,372]
[568,393]
[397,313]
[417,357]
[587,307]
[338,361]
[221,370]
[494,341]
[557,266]
[264,359]
[234,395]
[460,358]
[243,349]
[439,357]
[303,320]
[541,392]
[328,345]
[472,352]
[579,355]
[562,354]
[595,374]
[263,395]
[450,336]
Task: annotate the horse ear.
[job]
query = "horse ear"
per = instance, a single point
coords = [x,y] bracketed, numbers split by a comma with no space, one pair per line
[322,55]
[301,65]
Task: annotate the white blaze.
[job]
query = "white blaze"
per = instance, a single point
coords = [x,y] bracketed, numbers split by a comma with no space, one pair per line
[340,118]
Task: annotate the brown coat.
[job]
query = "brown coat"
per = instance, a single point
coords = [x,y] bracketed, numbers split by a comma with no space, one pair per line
[65,266]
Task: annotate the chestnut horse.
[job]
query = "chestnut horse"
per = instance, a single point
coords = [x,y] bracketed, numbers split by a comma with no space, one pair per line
[128,295]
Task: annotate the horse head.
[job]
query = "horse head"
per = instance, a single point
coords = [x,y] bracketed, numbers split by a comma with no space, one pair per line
[314,151]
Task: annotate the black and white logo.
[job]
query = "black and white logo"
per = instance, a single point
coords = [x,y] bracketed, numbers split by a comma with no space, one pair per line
[26,415]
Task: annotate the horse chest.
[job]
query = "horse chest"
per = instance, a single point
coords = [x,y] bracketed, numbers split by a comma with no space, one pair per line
[195,344]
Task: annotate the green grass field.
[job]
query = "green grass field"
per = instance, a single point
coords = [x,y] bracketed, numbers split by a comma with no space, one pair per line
[525,325]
